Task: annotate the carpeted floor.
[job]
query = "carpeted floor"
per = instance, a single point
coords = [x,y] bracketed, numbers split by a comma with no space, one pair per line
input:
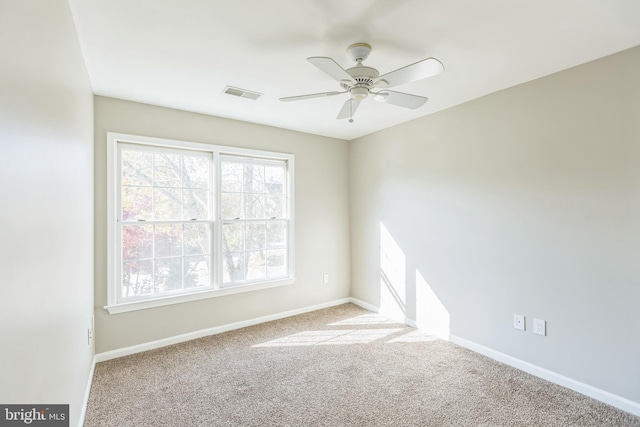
[342,366]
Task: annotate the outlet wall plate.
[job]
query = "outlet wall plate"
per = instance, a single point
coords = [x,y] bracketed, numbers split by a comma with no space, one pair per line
[518,321]
[540,327]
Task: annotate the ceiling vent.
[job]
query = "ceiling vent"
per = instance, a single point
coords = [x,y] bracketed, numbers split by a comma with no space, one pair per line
[242,93]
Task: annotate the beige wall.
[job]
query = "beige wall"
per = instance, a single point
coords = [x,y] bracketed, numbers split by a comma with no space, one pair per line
[46,219]
[524,201]
[321,222]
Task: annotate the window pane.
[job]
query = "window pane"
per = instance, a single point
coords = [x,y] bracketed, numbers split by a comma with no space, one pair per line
[168,240]
[255,265]
[167,203]
[254,206]
[276,234]
[231,205]
[231,177]
[233,237]
[197,239]
[137,241]
[274,206]
[168,274]
[167,170]
[254,236]
[195,172]
[234,267]
[196,204]
[253,179]
[136,203]
[274,179]
[137,278]
[196,272]
[137,168]
[276,263]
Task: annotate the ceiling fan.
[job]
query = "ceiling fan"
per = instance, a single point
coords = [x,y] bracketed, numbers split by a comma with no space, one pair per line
[361,81]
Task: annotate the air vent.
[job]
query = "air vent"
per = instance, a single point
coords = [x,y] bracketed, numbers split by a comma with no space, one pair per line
[242,93]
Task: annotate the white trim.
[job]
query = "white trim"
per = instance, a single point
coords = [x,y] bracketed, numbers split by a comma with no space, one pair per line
[112,160]
[586,389]
[196,296]
[582,388]
[174,143]
[364,305]
[85,401]
[126,351]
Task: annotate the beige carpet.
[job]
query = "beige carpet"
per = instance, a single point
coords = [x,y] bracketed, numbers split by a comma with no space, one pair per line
[342,366]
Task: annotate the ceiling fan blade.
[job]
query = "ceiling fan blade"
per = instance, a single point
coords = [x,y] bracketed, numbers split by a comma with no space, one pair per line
[309,96]
[330,67]
[348,109]
[420,70]
[400,99]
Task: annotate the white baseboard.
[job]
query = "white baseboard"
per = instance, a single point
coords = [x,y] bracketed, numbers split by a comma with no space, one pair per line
[85,401]
[126,351]
[364,305]
[586,389]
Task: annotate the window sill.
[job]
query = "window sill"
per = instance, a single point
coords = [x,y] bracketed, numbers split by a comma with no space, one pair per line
[169,300]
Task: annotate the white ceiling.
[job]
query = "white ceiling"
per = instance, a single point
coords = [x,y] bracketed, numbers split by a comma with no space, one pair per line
[182,53]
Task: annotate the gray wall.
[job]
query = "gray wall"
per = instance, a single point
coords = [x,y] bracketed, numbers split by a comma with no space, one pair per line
[524,201]
[321,222]
[46,219]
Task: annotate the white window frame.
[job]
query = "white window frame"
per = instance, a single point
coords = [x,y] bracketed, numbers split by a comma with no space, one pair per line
[114,243]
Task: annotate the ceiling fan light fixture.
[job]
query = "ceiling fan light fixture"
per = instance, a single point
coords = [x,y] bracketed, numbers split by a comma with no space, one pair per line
[359,93]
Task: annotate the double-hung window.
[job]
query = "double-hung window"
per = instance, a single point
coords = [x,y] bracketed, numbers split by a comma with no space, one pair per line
[188,221]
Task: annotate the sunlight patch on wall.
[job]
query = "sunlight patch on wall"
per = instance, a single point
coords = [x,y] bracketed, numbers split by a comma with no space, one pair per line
[392,276]
[432,316]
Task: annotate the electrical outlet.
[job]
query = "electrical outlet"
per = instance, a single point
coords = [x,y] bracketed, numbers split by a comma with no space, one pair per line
[540,327]
[518,321]
[90,331]
[325,279]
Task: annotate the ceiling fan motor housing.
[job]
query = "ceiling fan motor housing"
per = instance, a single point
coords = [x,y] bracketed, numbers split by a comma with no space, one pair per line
[363,77]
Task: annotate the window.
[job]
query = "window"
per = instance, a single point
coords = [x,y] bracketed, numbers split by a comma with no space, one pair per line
[188,221]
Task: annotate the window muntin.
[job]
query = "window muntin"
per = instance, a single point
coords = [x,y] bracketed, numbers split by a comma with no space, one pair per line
[190,221]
